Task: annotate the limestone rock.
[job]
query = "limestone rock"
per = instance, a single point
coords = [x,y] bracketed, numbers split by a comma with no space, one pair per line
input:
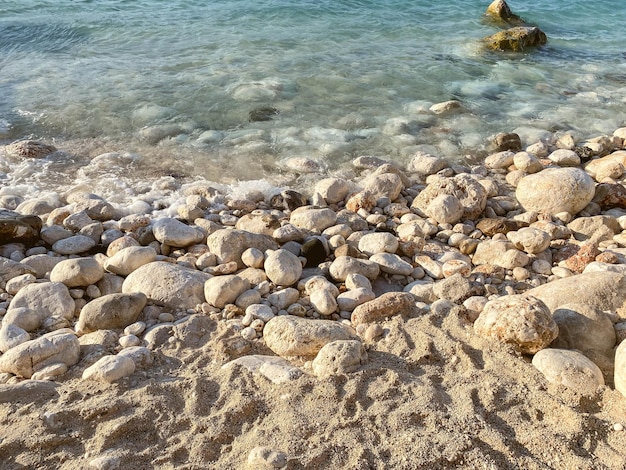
[10,269]
[173,232]
[333,190]
[47,299]
[530,240]
[110,312]
[379,242]
[283,268]
[346,265]
[262,458]
[387,305]
[467,190]
[129,259]
[168,284]
[27,358]
[445,209]
[516,39]
[602,290]
[262,223]
[392,264]
[77,272]
[339,357]
[520,320]
[222,290]
[584,328]
[569,368]
[313,218]
[11,335]
[289,335]
[620,368]
[109,369]
[29,149]
[275,369]
[323,301]
[228,245]
[383,185]
[555,190]
[499,253]
[426,164]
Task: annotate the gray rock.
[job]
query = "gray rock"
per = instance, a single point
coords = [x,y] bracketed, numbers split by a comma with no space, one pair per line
[11,335]
[294,336]
[167,284]
[584,328]
[10,269]
[141,356]
[569,368]
[519,320]
[339,357]
[426,164]
[110,312]
[76,272]
[39,265]
[27,358]
[74,245]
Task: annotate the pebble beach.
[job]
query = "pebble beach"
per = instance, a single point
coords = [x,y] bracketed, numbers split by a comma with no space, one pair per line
[221,269]
[440,315]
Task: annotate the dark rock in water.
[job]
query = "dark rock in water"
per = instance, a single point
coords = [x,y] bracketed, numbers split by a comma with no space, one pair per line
[16,228]
[314,252]
[501,225]
[29,149]
[609,196]
[501,13]
[265,113]
[516,39]
[288,199]
[505,141]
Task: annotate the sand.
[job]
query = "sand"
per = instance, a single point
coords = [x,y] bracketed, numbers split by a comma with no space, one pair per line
[432,395]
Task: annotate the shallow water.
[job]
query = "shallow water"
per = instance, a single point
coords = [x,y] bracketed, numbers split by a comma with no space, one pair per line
[175,81]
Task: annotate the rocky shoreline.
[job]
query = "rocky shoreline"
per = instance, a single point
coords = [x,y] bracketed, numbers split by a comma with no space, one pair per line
[521,257]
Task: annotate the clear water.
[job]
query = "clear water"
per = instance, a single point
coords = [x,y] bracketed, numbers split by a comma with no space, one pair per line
[174,81]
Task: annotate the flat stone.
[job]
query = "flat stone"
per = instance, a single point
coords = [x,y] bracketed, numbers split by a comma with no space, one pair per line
[387,305]
[74,245]
[110,369]
[173,232]
[313,218]
[288,335]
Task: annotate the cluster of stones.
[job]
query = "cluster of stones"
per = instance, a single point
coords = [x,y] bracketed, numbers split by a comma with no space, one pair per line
[528,245]
[517,36]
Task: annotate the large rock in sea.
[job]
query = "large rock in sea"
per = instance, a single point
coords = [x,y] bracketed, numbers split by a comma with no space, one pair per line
[555,190]
[516,39]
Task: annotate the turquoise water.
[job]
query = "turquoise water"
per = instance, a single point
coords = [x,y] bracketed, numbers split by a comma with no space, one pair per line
[174,81]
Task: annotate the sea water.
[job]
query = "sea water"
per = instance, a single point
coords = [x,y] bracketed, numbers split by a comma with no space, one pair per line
[172,87]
